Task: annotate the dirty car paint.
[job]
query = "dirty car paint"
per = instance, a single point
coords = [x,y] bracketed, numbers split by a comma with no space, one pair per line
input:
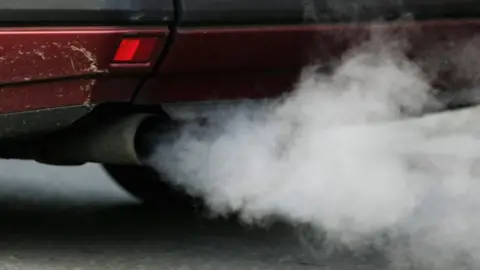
[62,58]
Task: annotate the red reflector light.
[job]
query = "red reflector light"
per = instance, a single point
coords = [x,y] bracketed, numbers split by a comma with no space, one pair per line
[135,50]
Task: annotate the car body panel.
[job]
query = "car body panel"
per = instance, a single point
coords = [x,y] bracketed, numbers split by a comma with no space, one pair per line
[265,61]
[56,55]
[56,58]
[42,68]
[54,94]
[246,62]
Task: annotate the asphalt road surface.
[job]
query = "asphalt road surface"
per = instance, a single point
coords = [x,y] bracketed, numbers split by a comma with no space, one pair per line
[76,218]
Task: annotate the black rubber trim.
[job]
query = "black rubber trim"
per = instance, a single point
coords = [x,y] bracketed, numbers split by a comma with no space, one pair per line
[252,12]
[27,18]
[206,12]
[225,12]
[86,76]
[60,79]
[85,12]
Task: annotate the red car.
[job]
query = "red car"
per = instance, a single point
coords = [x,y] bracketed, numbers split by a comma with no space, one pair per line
[81,80]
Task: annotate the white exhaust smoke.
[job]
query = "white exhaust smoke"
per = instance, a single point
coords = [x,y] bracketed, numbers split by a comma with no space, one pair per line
[326,156]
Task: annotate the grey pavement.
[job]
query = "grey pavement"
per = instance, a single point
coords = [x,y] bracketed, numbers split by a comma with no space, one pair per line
[76,218]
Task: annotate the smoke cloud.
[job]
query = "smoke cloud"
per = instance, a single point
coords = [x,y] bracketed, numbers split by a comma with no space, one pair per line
[338,154]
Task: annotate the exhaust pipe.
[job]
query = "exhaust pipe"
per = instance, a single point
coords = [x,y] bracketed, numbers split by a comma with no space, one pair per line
[123,141]
[129,140]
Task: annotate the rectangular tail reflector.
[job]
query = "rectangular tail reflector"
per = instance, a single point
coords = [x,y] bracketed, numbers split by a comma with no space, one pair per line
[135,50]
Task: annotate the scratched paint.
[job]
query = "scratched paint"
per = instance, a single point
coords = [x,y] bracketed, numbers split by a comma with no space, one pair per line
[31,54]
[27,55]
[46,95]
[43,62]
[86,92]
